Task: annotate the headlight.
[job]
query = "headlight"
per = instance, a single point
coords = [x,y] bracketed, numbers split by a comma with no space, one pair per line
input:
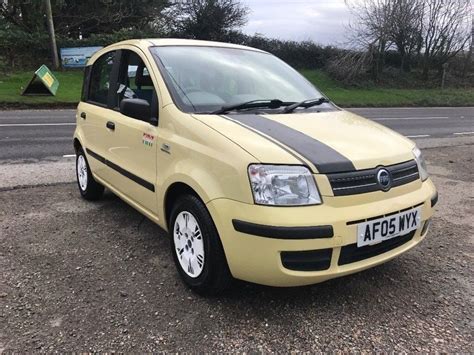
[283,185]
[420,161]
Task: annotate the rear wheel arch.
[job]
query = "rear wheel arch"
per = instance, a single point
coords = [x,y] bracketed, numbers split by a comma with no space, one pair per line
[77,145]
[89,188]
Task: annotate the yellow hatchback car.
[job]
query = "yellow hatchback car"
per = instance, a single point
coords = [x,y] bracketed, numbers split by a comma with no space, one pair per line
[254,173]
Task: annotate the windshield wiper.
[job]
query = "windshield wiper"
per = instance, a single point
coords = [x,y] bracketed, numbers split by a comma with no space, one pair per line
[272,104]
[305,104]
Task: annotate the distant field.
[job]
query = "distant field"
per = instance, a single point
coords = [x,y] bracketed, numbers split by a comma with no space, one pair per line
[70,83]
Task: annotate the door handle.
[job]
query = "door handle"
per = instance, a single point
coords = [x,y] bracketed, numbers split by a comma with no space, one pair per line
[83,115]
[110,125]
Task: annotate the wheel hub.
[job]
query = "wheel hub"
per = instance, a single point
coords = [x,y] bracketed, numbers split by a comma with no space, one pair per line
[82,172]
[188,243]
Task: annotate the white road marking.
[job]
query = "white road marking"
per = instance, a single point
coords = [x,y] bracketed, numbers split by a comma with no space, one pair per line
[35,124]
[409,118]
[461,133]
[412,108]
[419,136]
[28,117]
[69,155]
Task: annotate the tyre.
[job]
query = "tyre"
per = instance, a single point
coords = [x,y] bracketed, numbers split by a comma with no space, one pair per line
[90,189]
[196,247]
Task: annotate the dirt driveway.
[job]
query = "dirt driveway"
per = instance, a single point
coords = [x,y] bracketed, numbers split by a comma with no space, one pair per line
[99,277]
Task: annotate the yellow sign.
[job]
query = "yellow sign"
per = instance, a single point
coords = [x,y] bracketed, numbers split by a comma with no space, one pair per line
[48,79]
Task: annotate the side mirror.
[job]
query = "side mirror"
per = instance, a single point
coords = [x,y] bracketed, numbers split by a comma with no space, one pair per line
[136,108]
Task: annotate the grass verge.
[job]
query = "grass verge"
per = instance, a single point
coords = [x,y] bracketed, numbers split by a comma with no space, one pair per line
[70,83]
[388,97]
[69,91]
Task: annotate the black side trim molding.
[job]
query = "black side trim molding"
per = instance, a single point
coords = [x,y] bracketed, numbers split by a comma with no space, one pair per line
[326,159]
[434,199]
[261,230]
[147,185]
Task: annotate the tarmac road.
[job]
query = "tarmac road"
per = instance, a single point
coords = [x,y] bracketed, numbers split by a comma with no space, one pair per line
[32,135]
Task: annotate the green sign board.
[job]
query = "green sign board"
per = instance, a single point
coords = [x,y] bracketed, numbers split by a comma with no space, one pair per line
[43,83]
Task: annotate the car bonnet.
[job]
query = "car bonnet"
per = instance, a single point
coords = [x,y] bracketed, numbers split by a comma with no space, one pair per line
[328,142]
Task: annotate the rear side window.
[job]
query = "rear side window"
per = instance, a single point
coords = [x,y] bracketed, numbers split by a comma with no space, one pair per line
[100,78]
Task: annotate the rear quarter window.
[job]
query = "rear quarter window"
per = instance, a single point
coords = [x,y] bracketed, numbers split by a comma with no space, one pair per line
[100,77]
[85,83]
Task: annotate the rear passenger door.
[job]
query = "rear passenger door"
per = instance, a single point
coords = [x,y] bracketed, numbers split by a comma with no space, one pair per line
[133,147]
[94,112]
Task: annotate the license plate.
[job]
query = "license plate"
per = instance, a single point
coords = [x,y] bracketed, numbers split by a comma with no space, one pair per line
[380,229]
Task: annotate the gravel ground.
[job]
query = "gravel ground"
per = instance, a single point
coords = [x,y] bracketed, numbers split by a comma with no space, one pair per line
[99,277]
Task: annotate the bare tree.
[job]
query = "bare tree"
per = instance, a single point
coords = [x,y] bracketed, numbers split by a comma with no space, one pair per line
[435,30]
[445,30]
[468,61]
[371,29]
[405,29]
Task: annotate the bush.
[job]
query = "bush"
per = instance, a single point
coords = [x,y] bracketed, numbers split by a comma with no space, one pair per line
[24,50]
[301,55]
[20,49]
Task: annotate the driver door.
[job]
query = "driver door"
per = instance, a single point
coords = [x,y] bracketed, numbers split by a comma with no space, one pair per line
[133,148]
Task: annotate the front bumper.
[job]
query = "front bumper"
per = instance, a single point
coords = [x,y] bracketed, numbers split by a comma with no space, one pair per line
[258,258]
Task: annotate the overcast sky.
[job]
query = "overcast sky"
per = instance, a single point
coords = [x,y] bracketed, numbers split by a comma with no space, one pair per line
[323,21]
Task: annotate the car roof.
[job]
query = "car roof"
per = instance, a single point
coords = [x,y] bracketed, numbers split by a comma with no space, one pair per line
[152,42]
[146,43]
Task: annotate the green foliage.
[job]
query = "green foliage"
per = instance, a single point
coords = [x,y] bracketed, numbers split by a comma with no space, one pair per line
[87,17]
[105,39]
[73,18]
[302,55]
[208,19]
[20,48]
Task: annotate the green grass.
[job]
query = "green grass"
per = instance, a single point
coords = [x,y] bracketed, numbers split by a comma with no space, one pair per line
[379,97]
[70,83]
[68,94]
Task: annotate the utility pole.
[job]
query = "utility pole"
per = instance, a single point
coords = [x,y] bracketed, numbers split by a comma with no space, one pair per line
[52,36]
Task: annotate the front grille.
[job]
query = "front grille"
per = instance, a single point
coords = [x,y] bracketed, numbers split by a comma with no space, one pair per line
[307,260]
[362,181]
[351,253]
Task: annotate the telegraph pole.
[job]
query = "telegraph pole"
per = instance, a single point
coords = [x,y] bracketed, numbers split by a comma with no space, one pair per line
[52,36]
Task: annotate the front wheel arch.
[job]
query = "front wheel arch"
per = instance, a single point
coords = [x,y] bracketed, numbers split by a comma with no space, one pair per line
[173,192]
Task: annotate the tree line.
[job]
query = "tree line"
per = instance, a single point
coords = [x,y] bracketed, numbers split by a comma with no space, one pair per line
[426,33]
[419,36]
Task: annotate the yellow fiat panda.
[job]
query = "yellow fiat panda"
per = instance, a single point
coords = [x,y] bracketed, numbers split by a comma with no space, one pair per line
[255,174]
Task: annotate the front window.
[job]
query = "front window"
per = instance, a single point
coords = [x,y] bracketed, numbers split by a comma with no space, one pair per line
[134,80]
[204,79]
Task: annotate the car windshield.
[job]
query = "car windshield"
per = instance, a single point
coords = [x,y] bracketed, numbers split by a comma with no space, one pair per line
[205,79]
